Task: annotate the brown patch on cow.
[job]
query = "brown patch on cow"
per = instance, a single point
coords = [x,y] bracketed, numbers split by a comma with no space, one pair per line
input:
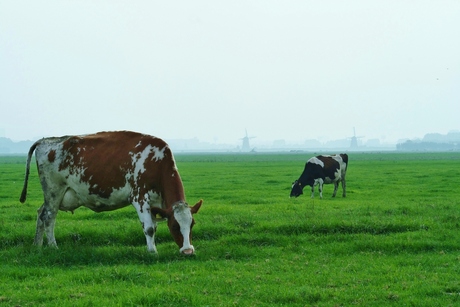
[105,167]
[52,156]
[329,162]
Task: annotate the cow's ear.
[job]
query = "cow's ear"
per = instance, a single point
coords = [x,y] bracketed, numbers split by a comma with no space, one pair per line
[159,214]
[197,206]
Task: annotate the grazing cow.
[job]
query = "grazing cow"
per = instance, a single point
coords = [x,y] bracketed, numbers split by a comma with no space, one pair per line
[107,171]
[320,170]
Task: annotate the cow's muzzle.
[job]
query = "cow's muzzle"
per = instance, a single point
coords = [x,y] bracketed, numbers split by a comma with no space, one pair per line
[187,251]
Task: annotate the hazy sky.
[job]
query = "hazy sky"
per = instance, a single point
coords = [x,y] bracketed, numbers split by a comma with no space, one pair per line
[290,70]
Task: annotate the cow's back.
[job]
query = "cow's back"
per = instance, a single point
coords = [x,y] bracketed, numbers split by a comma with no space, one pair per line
[105,162]
[330,167]
[105,159]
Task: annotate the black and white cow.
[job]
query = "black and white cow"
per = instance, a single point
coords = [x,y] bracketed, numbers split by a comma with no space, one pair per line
[320,170]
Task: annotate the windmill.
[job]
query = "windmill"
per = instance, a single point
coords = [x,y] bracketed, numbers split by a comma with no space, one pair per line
[354,139]
[246,141]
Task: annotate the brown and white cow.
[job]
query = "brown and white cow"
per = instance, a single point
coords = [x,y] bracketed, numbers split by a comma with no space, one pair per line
[320,170]
[107,171]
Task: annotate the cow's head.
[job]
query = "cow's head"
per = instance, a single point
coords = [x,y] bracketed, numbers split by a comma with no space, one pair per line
[296,189]
[180,223]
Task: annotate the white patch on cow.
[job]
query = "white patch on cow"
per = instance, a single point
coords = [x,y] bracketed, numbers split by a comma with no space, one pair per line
[138,144]
[337,175]
[318,181]
[155,199]
[183,216]
[159,154]
[315,160]
[70,201]
[138,160]
[78,194]
[339,159]
[343,165]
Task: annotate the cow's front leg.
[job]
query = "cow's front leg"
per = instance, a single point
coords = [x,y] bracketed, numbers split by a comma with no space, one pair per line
[320,187]
[313,191]
[148,225]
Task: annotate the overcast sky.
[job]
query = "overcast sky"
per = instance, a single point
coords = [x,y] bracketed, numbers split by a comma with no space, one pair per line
[292,70]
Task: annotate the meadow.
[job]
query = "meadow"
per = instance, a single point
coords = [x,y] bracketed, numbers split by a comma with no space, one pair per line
[393,241]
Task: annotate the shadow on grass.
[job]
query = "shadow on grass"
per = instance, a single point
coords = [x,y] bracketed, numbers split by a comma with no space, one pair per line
[68,256]
[90,248]
[342,228]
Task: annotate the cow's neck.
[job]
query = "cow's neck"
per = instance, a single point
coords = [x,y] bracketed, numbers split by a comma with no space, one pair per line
[305,180]
[173,189]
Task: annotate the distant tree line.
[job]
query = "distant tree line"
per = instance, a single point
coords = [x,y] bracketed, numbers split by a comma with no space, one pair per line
[433,142]
[7,146]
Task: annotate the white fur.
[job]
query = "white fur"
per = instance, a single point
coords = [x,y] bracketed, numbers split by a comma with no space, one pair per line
[183,216]
[315,160]
[159,153]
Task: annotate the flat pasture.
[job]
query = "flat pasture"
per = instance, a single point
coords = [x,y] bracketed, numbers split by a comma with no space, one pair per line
[393,241]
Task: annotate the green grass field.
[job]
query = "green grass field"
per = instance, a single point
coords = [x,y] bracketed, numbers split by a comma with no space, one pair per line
[394,241]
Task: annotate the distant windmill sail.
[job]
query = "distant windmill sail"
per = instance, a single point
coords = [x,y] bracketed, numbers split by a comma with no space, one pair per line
[245,139]
[354,139]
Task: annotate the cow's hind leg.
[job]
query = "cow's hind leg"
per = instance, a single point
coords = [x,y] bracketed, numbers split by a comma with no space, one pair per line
[46,220]
[148,225]
[344,188]
[336,187]
[40,231]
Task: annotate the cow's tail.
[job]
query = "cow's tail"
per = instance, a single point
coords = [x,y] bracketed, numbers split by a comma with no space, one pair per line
[345,159]
[26,179]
